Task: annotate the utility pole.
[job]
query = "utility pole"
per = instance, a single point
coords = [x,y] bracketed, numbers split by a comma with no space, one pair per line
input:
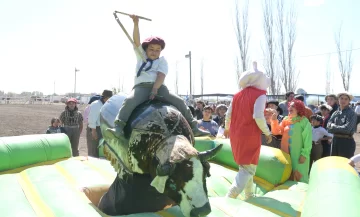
[76,70]
[120,83]
[53,95]
[189,56]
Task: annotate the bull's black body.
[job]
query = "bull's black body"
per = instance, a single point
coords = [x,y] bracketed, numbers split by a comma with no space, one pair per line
[170,120]
[135,194]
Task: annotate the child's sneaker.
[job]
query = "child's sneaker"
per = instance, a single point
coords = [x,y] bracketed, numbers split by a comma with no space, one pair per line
[118,131]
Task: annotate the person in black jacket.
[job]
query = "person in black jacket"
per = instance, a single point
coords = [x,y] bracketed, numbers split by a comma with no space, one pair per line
[331,100]
[199,109]
[342,124]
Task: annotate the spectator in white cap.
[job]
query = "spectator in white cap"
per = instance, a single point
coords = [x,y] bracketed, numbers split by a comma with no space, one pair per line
[343,125]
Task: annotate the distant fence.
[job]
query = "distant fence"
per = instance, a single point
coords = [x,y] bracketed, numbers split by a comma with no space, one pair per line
[23,100]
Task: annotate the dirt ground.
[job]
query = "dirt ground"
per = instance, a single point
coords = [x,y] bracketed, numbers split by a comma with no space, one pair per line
[16,120]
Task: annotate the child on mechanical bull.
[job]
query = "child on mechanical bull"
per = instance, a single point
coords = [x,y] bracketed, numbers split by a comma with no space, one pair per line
[149,83]
[245,121]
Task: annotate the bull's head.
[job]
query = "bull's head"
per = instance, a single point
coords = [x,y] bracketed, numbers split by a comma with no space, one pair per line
[184,181]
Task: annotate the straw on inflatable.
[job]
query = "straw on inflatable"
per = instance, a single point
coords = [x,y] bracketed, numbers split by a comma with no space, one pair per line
[19,151]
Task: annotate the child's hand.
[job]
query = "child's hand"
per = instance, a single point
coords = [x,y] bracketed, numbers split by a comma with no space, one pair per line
[153,93]
[268,139]
[94,134]
[274,117]
[135,18]
[226,134]
[302,159]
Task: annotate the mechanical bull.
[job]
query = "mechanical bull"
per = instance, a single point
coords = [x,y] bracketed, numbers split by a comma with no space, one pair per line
[156,163]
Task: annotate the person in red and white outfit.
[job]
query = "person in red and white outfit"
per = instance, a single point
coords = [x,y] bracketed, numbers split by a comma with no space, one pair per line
[245,121]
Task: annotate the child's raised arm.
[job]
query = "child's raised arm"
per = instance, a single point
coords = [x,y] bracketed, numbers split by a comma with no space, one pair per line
[136,32]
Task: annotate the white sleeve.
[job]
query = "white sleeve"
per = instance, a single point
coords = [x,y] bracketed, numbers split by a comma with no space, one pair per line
[326,133]
[357,109]
[93,115]
[142,52]
[228,117]
[163,66]
[356,158]
[258,115]
[259,107]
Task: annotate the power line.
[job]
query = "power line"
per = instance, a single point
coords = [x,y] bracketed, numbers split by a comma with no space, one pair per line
[321,54]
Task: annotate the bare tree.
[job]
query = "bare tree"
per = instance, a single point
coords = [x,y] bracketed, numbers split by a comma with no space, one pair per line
[269,48]
[176,78]
[241,31]
[278,85]
[345,61]
[286,29]
[202,77]
[327,75]
[115,90]
[238,71]
[121,84]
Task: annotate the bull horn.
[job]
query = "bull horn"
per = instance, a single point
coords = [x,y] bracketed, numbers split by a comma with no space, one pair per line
[165,170]
[207,155]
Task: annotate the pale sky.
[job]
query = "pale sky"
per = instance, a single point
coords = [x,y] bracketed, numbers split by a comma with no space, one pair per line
[42,41]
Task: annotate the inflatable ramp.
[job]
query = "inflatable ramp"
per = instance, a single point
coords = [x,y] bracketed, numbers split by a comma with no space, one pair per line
[39,178]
